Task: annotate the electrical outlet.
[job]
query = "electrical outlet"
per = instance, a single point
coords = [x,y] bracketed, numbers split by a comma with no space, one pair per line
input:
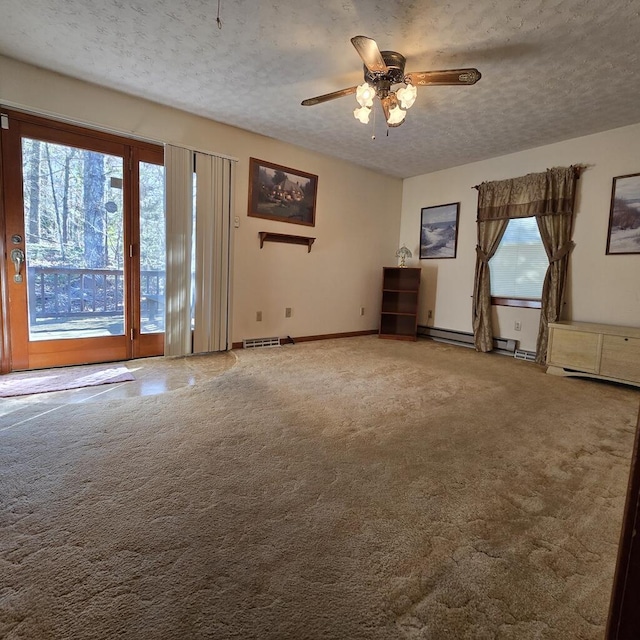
[517,325]
[287,312]
[258,316]
[361,311]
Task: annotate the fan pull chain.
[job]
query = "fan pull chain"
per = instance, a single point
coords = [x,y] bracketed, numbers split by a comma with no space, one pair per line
[373,135]
[218,21]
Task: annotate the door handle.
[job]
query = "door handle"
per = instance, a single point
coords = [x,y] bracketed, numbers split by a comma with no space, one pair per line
[17,257]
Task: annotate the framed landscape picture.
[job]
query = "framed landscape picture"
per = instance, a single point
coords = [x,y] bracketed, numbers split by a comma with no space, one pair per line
[280,193]
[624,216]
[439,231]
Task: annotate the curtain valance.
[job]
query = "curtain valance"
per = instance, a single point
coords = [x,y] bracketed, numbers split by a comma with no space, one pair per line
[536,194]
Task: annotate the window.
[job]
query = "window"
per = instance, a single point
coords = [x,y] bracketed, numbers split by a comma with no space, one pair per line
[519,265]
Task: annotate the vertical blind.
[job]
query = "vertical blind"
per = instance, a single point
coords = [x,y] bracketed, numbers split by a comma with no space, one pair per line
[214,179]
[213,229]
[179,213]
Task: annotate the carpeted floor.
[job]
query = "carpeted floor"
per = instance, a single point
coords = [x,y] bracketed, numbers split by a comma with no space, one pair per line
[346,489]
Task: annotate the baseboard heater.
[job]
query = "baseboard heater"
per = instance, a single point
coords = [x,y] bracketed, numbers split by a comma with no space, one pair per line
[506,346]
[256,343]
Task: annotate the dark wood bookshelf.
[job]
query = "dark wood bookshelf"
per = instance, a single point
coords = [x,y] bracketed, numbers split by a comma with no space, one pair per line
[399,312]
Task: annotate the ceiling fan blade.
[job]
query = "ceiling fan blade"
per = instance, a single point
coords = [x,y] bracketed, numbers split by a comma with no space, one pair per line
[450,77]
[370,54]
[309,102]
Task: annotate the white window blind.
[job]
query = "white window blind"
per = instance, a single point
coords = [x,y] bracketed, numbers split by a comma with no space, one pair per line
[520,263]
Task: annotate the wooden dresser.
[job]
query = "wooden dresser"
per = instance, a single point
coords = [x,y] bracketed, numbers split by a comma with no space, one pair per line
[604,351]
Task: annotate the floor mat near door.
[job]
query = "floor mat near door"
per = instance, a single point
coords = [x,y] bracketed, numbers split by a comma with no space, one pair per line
[28,382]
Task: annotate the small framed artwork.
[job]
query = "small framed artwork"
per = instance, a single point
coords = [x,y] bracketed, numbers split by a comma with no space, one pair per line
[439,231]
[280,193]
[624,216]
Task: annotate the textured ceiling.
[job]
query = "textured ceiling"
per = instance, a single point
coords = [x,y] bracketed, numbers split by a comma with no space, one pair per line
[551,69]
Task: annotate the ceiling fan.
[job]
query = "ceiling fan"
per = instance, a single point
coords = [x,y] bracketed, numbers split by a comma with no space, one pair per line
[382,71]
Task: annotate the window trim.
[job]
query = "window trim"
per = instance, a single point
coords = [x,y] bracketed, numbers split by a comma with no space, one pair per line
[527,303]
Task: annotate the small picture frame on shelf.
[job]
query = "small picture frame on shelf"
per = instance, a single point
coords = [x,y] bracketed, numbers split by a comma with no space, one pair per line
[282,194]
[624,215]
[439,231]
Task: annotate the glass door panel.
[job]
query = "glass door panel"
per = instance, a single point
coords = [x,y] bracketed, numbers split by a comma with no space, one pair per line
[152,248]
[73,216]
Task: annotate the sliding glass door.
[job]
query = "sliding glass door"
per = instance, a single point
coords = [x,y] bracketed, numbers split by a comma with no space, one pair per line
[84,239]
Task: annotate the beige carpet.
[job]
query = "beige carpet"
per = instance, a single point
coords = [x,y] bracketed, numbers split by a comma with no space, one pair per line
[347,489]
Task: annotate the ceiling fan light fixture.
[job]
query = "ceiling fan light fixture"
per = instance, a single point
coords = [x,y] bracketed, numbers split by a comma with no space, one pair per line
[362,114]
[407,96]
[396,116]
[365,94]
[385,70]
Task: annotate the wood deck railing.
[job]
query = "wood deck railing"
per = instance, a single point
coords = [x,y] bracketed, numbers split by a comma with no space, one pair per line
[62,293]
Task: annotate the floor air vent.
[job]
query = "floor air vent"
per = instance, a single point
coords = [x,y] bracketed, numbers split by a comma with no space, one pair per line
[255,343]
[519,354]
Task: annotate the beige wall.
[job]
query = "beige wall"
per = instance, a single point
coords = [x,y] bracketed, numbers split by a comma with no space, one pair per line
[357,219]
[602,288]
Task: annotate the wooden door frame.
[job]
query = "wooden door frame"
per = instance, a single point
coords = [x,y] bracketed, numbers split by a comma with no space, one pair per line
[135,344]
[12,175]
[145,344]
[624,611]
[5,344]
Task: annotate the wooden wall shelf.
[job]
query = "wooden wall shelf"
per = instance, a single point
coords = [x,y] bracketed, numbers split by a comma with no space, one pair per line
[267,236]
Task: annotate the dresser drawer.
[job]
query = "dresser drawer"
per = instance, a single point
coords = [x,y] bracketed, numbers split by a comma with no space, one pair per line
[620,358]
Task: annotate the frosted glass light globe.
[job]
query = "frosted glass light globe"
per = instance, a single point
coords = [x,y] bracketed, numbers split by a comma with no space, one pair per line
[362,114]
[407,96]
[365,94]
[396,115]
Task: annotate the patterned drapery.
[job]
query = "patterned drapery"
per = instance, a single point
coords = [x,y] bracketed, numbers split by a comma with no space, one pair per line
[549,196]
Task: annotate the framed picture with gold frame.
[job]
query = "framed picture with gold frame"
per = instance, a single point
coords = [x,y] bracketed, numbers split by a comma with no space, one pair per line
[282,194]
